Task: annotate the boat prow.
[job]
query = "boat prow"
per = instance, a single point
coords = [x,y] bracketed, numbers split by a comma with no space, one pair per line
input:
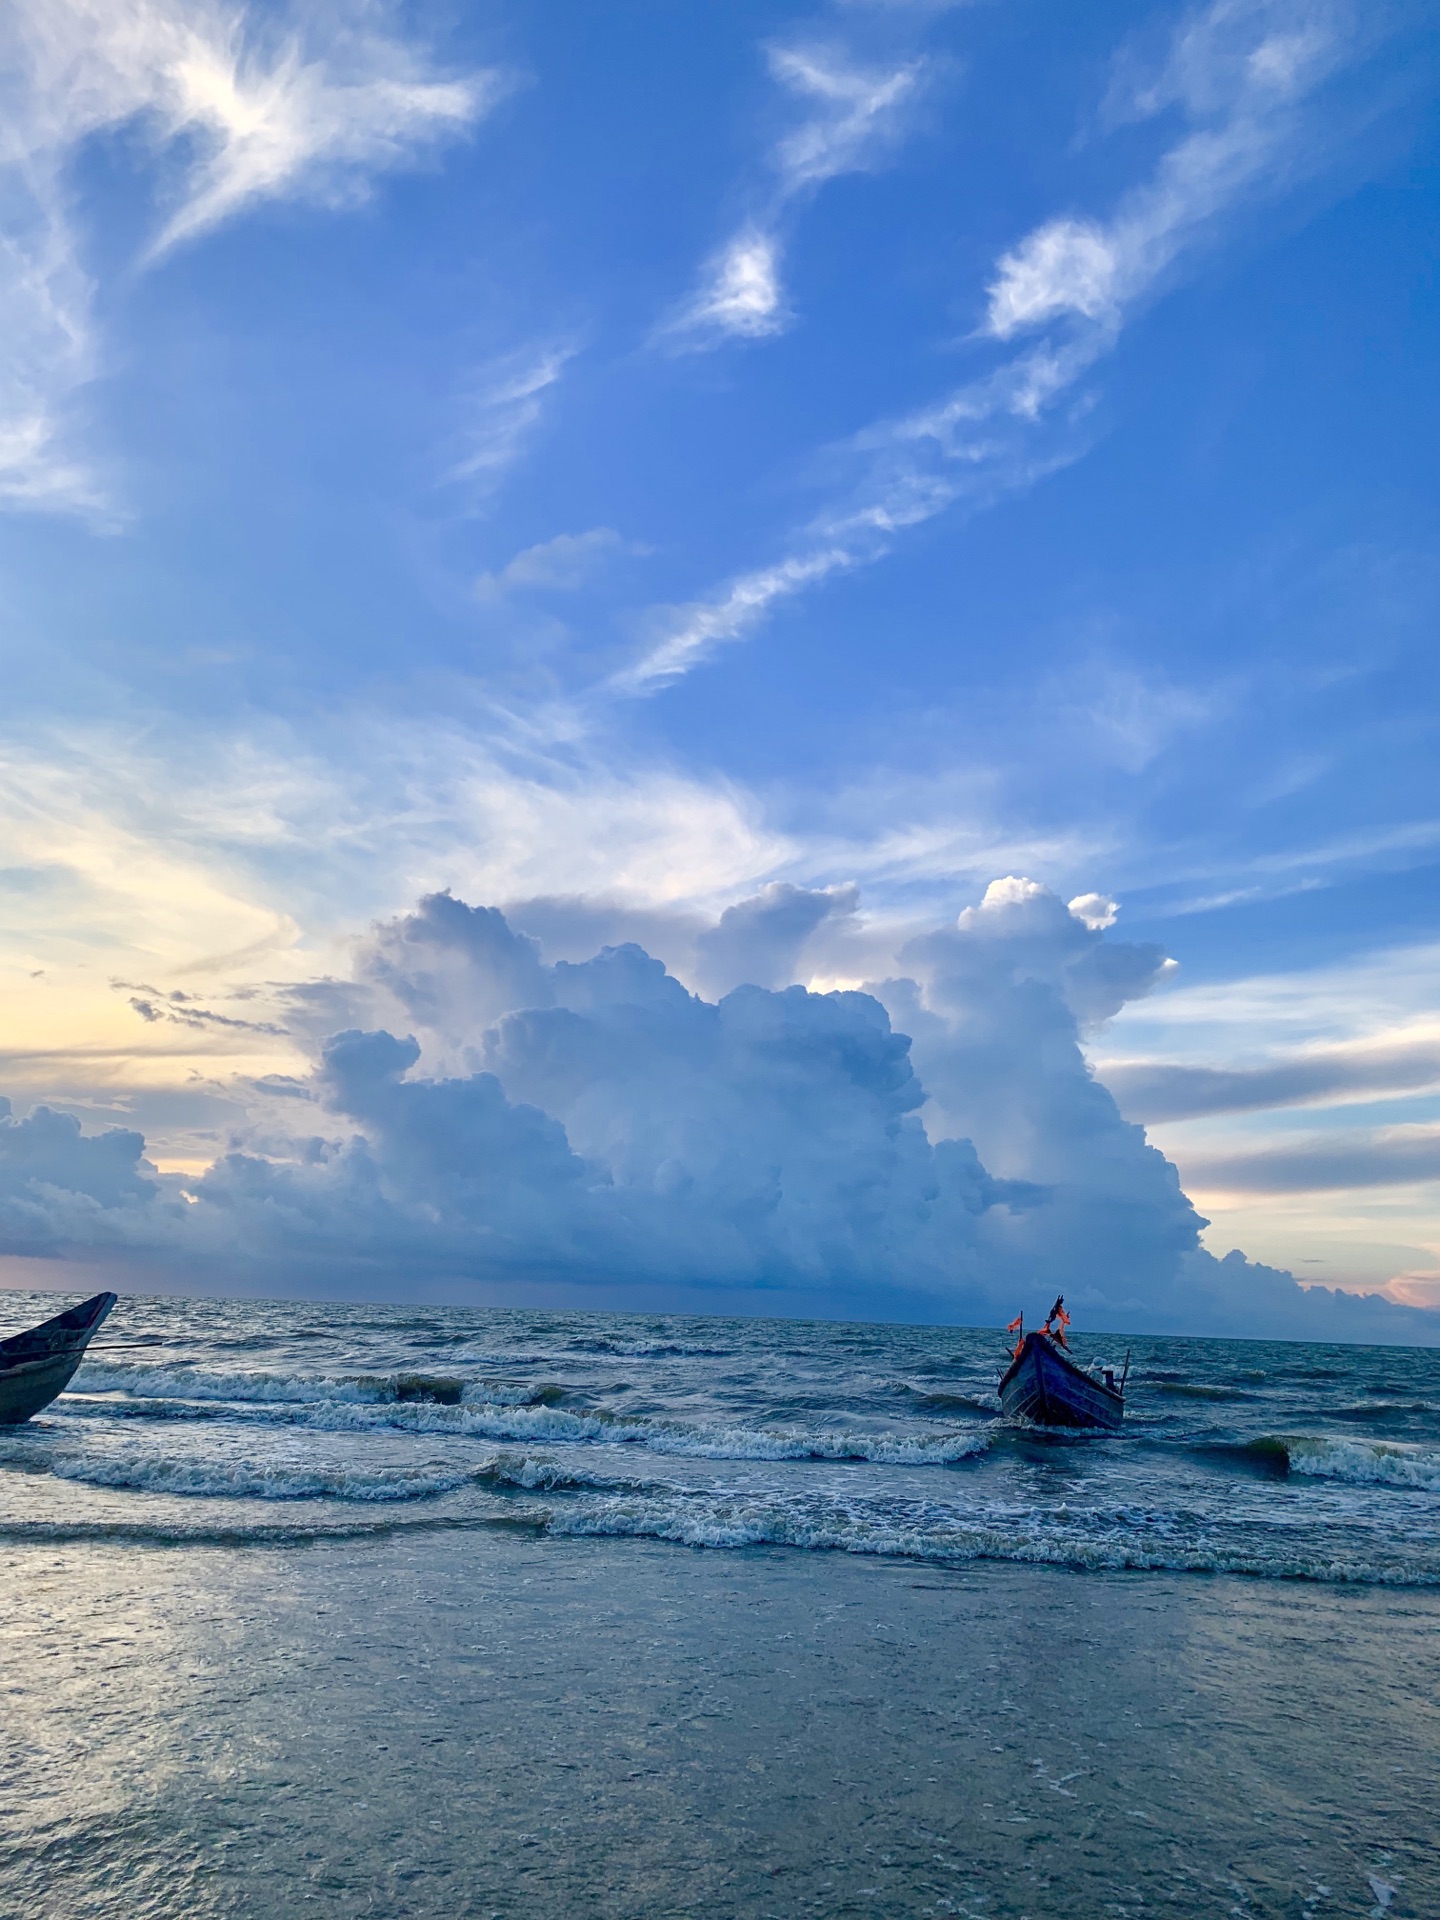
[1044,1385]
[38,1364]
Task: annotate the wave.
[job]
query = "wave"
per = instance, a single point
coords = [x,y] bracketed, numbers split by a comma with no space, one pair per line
[262,1479]
[692,1526]
[532,1413]
[182,1382]
[1377,1410]
[183,1531]
[731,1524]
[931,1402]
[1196,1390]
[567,1498]
[685,1440]
[1360,1463]
[283,1477]
[646,1349]
[160,1384]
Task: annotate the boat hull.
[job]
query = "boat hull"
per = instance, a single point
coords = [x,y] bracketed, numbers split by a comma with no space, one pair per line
[37,1365]
[1044,1386]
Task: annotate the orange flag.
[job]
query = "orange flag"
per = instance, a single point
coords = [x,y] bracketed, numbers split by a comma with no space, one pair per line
[1015,1324]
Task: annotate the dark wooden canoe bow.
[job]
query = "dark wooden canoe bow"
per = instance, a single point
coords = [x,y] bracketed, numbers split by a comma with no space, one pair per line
[36,1365]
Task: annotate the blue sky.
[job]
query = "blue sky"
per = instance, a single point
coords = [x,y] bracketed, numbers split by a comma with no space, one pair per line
[610,461]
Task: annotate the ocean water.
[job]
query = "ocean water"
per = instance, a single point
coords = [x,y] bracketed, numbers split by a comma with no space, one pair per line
[671,1616]
[269,1421]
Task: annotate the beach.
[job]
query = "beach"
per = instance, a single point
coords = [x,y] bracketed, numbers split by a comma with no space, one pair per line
[496,1722]
[274,1642]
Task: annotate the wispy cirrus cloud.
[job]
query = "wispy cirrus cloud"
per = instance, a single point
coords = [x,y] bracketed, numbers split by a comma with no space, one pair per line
[1241,74]
[739,294]
[501,411]
[689,634]
[856,114]
[236,106]
[558,565]
[852,116]
[1244,77]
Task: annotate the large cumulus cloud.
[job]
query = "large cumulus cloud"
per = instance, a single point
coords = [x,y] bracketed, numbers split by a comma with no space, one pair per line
[620,1126]
[934,1144]
[995,1006]
[62,1188]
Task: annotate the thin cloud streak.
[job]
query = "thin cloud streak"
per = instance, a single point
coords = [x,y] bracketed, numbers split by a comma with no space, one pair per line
[503,409]
[857,114]
[1390,1157]
[701,629]
[1158,1090]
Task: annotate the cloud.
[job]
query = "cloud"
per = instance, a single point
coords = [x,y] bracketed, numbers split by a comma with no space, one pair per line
[61,1188]
[738,296]
[625,1129]
[1064,266]
[1243,77]
[934,1145]
[854,116]
[1153,1090]
[1239,71]
[236,106]
[1228,1073]
[180,1009]
[1324,1163]
[759,941]
[694,632]
[504,405]
[995,1008]
[559,565]
[1359,999]
[1094,910]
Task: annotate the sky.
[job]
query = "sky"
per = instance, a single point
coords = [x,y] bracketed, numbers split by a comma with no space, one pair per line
[913,523]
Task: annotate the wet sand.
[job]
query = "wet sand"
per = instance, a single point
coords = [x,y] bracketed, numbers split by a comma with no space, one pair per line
[486,1722]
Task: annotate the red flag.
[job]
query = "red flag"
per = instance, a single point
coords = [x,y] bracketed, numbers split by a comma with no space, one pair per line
[1016,1323]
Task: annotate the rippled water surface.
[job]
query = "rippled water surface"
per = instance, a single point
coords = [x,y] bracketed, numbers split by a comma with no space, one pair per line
[210,1419]
[652,1618]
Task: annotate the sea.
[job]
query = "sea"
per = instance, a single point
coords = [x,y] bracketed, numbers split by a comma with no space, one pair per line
[394,1610]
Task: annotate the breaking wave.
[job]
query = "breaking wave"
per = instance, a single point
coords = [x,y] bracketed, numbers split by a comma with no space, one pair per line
[523,1413]
[258,1479]
[567,1500]
[1263,1461]
[962,1545]
[1360,1463]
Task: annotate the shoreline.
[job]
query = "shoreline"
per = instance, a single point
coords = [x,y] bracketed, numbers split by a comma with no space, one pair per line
[497,1722]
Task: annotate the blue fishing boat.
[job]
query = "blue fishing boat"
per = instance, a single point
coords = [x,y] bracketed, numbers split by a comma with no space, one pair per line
[1044,1385]
[38,1364]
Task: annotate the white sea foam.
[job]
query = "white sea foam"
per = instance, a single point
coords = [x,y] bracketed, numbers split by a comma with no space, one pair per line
[1363,1463]
[734,1525]
[816,1427]
[163,1382]
[1030,1538]
[367,1402]
[686,1440]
